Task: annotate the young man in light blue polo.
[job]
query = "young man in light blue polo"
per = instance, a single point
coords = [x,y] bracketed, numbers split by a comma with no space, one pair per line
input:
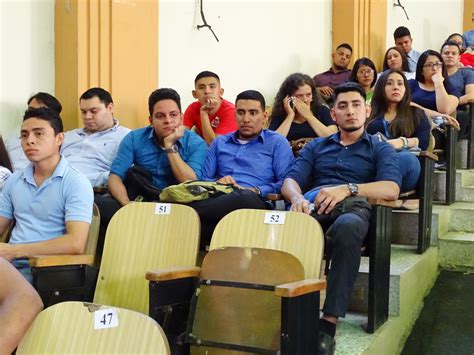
[50,201]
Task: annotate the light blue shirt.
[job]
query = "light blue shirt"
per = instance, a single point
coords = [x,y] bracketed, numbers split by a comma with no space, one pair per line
[41,212]
[262,162]
[140,148]
[413,57]
[93,153]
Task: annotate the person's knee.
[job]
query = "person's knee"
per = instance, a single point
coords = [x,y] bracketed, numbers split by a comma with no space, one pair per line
[348,231]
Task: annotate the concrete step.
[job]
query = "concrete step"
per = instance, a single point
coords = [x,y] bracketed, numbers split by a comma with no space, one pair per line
[405,225]
[461,217]
[411,278]
[464,185]
[456,251]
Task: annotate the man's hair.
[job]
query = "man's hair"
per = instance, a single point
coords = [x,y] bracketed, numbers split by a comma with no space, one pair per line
[206,74]
[401,31]
[163,94]
[45,113]
[450,43]
[344,45]
[349,87]
[251,95]
[103,95]
[48,100]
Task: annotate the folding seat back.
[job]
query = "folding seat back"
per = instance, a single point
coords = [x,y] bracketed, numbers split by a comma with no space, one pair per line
[295,233]
[142,236]
[235,308]
[81,328]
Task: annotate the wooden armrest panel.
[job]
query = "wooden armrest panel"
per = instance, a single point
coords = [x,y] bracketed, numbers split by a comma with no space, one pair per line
[382,202]
[429,155]
[173,273]
[60,260]
[274,197]
[298,288]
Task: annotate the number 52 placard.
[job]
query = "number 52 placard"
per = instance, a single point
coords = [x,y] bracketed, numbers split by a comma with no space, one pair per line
[274,218]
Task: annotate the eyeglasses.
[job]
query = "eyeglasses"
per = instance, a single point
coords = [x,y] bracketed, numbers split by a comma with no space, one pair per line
[365,72]
[436,65]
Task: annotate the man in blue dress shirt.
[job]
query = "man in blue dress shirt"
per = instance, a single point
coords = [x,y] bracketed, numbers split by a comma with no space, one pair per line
[348,163]
[253,159]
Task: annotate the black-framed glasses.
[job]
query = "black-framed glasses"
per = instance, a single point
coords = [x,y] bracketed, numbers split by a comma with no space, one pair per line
[436,65]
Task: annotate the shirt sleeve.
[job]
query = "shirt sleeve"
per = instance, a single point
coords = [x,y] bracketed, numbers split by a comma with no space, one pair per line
[209,170]
[79,200]
[124,158]
[6,206]
[450,88]
[422,131]
[283,160]
[197,149]
[189,116]
[387,166]
[302,168]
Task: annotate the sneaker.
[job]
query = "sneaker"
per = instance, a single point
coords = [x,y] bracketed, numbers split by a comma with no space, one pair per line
[327,344]
[440,166]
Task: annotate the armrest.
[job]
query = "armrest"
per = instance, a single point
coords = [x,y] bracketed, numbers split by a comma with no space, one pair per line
[60,260]
[274,197]
[173,273]
[298,288]
[428,155]
[382,202]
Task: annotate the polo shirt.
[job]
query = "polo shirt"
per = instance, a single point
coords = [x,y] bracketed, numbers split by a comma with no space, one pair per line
[222,122]
[139,147]
[462,77]
[325,161]
[92,153]
[41,212]
[262,162]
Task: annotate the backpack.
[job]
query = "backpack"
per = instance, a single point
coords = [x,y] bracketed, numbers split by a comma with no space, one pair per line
[196,190]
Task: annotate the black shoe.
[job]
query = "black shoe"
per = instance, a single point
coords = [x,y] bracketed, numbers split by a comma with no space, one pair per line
[327,344]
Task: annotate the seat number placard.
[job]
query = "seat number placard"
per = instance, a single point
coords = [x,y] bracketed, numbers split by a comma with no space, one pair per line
[163,208]
[274,218]
[106,318]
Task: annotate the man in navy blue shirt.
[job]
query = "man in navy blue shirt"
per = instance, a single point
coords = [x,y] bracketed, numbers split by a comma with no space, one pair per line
[253,159]
[348,163]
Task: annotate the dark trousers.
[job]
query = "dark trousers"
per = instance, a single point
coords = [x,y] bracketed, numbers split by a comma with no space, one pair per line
[107,207]
[344,239]
[212,210]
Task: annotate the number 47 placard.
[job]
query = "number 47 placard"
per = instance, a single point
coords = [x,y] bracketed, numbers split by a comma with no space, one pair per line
[274,218]
[106,318]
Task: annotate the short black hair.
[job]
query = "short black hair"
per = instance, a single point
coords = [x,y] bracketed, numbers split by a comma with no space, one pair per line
[163,94]
[206,74]
[45,113]
[103,95]
[251,95]
[344,45]
[450,43]
[349,87]
[401,31]
[48,100]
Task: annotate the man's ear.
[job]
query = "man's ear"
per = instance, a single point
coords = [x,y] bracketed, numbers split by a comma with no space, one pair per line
[150,119]
[368,110]
[110,107]
[221,92]
[60,138]
[333,115]
[194,94]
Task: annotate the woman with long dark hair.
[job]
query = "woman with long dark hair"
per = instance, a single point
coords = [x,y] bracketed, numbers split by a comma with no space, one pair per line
[405,127]
[5,164]
[396,59]
[365,74]
[298,111]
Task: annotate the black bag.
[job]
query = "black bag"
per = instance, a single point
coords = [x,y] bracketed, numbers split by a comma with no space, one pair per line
[139,185]
[353,204]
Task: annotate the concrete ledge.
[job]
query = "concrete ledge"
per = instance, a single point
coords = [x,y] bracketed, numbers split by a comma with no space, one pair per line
[456,251]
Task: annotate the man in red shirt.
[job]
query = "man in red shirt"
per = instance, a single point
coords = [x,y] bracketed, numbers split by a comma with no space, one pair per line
[211,114]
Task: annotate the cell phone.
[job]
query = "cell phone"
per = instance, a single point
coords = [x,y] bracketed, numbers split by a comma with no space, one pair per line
[291,102]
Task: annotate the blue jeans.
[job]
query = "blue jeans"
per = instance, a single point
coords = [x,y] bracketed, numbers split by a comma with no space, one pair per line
[410,170]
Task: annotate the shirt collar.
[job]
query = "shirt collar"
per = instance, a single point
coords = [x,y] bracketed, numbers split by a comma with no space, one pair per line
[331,70]
[336,137]
[59,171]
[82,132]
[234,137]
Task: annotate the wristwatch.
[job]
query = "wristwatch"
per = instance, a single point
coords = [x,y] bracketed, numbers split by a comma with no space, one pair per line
[172,149]
[353,189]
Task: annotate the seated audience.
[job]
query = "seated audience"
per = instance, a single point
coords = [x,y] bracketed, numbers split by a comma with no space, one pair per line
[298,111]
[458,39]
[91,149]
[365,74]
[50,201]
[338,73]
[432,91]
[211,114]
[40,99]
[396,59]
[19,305]
[348,163]
[5,164]
[463,81]
[404,126]
[253,159]
[403,40]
